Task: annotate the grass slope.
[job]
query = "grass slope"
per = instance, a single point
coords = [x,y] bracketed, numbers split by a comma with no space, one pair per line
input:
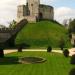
[56,64]
[42,34]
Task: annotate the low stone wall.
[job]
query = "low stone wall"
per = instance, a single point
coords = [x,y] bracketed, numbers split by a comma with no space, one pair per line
[8,33]
[30,19]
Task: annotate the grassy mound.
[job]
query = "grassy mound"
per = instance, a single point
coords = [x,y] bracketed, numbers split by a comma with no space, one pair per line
[42,34]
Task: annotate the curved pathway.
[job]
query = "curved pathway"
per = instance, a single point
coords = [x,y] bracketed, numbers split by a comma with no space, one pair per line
[14,50]
[72,51]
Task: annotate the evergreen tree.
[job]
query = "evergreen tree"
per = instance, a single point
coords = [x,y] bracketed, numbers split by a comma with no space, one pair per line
[72,26]
[12,24]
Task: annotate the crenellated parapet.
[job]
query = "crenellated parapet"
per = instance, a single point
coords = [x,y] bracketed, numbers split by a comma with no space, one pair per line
[33,11]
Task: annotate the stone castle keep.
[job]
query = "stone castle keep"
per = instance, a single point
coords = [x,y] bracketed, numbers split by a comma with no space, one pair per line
[34,11]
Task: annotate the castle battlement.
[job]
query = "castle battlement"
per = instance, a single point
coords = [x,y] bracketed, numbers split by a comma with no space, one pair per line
[34,11]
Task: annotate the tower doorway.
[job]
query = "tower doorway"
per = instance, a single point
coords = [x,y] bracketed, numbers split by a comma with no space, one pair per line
[40,16]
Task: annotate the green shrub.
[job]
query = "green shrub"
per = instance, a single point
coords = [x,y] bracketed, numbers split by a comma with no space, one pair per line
[66,53]
[49,49]
[1,53]
[22,46]
[72,72]
[73,59]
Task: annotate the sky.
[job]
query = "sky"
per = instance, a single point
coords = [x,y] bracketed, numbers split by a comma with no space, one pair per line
[63,9]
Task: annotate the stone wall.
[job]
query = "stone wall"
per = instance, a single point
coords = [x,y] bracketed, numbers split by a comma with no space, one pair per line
[9,33]
[30,19]
[34,12]
[33,6]
[22,11]
[47,12]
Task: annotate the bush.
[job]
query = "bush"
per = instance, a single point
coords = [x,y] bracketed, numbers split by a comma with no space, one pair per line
[49,49]
[72,72]
[1,53]
[66,53]
[20,49]
[73,59]
[22,46]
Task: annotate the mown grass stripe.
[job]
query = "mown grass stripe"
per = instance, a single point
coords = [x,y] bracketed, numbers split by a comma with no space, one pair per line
[56,64]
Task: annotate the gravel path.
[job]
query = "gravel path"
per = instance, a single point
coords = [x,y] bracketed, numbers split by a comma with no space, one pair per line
[10,51]
[72,51]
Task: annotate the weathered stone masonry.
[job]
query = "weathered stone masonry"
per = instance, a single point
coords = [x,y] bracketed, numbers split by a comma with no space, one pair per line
[34,11]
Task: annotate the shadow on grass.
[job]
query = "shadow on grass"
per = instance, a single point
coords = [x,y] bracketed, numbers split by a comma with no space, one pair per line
[72,72]
[9,60]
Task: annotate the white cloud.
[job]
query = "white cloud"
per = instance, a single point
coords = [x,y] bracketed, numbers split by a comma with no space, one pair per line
[22,2]
[8,10]
[47,2]
[62,13]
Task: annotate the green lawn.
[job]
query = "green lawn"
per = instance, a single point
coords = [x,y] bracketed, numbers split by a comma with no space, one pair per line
[56,64]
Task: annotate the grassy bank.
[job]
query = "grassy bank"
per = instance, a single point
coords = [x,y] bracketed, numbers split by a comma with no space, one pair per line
[42,34]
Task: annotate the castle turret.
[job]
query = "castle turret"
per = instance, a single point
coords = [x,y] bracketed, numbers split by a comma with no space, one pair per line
[33,6]
[22,10]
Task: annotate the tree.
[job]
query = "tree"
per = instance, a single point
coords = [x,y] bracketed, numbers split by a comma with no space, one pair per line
[72,26]
[65,22]
[2,26]
[12,24]
[71,29]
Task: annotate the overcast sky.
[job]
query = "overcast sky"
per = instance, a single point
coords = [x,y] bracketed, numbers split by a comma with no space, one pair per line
[64,9]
